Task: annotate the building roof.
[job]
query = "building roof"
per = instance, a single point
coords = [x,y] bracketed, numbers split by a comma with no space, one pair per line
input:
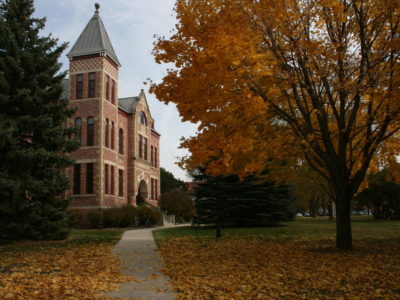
[93,40]
[128,105]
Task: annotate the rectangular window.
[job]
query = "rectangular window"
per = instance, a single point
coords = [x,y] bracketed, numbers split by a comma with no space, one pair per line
[145,148]
[112,135]
[107,87]
[121,141]
[152,155]
[79,86]
[120,183]
[89,178]
[106,179]
[113,91]
[140,146]
[92,85]
[77,179]
[155,189]
[152,188]
[155,157]
[112,180]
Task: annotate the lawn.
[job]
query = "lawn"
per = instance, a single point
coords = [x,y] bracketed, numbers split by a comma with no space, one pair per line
[80,267]
[295,261]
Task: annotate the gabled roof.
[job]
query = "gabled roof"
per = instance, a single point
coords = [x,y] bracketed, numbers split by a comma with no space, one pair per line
[93,40]
[128,105]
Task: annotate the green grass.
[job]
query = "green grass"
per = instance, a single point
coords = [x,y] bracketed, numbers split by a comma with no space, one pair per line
[301,228]
[77,237]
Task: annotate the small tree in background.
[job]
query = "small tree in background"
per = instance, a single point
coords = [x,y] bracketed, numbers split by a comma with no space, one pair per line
[168,181]
[178,203]
[227,201]
[382,195]
[33,137]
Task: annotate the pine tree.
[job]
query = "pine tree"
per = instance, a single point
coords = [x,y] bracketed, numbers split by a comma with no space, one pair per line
[33,137]
[227,201]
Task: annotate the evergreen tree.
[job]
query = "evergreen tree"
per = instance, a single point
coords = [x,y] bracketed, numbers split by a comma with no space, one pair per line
[227,201]
[382,196]
[168,182]
[33,137]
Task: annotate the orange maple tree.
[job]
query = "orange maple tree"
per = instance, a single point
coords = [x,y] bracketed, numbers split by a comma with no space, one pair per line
[313,81]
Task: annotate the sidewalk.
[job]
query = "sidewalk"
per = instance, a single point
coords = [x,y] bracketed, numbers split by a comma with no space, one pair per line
[136,250]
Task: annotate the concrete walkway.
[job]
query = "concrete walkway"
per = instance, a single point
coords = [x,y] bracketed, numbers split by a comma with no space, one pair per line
[136,250]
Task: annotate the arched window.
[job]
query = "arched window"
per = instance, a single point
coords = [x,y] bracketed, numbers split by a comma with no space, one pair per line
[78,128]
[112,135]
[90,131]
[121,141]
[107,133]
[143,119]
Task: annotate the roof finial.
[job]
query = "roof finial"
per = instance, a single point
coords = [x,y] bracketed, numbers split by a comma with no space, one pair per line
[97,6]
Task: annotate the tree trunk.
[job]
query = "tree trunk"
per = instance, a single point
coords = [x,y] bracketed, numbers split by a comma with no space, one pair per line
[343,223]
[330,210]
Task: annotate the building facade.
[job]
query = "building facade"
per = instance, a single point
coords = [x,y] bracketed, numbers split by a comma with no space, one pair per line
[118,161]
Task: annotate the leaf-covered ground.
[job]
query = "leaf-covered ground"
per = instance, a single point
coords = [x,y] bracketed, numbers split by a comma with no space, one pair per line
[253,267]
[83,267]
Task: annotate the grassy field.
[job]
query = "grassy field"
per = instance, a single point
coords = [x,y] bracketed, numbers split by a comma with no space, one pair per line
[77,237]
[297,260]
[80,267]
[301,228]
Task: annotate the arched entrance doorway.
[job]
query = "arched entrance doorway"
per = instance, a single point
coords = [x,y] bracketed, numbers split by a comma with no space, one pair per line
[142,193]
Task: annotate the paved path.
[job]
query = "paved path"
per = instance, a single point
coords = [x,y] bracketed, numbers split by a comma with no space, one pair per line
[136,250]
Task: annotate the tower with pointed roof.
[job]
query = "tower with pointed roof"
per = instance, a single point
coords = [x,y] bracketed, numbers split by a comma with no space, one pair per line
[118,161]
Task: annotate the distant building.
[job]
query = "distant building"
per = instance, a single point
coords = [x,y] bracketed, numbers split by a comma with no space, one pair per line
[118,162]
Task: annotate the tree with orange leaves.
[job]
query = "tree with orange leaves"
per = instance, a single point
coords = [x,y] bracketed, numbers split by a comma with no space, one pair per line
[313,81]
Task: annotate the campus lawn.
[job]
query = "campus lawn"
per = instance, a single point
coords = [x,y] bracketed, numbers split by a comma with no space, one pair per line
[80,267]
[295,261]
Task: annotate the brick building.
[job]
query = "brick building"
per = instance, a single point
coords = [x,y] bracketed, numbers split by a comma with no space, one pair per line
[118,161]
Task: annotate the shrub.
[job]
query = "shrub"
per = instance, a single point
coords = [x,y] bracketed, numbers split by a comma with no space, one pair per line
[178,203]
[74,217]
[94,217]
[148,216]
[129,216]
[119,216]
[112,217]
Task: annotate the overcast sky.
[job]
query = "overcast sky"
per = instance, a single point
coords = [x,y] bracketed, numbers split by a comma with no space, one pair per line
[131,26]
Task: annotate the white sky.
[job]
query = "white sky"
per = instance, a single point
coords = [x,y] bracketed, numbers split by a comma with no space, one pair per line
[131,26]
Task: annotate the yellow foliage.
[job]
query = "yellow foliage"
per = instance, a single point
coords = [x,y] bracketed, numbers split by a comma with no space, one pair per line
[76,272]
[243,268]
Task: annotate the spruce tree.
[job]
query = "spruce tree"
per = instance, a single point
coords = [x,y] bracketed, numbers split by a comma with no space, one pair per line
[228,201]
[34,139]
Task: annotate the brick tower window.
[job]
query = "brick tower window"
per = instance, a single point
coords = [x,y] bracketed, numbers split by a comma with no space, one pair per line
[112,180]
[77,179]
[79,86]
[112,135]
[152,188]
[107,133]
[90,131]
[107,87]
[120,183]
[92,85]
[143,119]
[121,141]
[145,148]
[155,157]
[152,155]
[106,185]
[140,146]
[89,178]
[78,128]
[113,91]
